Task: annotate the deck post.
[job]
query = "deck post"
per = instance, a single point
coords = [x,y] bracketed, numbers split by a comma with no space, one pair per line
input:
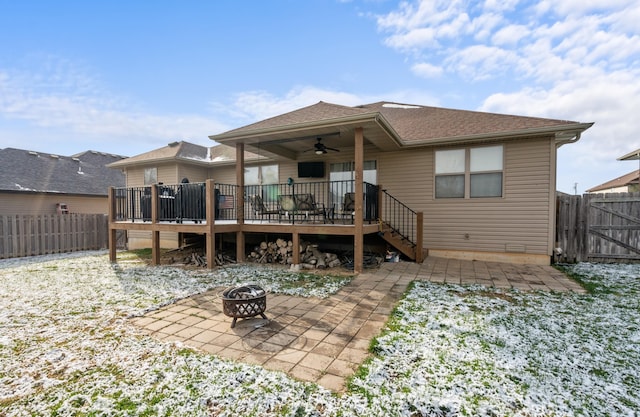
[295,239]
[155,234]
[112,232]
[358,237]
[240,201]
[210,235]
[419,236]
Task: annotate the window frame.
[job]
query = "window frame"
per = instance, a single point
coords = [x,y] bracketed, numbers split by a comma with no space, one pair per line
[150,176]
[468,174]
[267,189]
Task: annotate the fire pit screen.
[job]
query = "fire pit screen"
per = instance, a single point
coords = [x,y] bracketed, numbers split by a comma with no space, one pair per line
[244,301]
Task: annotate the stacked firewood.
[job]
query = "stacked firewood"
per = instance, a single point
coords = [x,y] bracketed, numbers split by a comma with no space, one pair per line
[198,259]
[281,252]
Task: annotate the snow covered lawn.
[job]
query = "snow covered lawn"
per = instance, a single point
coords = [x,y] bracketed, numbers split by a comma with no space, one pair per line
[67,348]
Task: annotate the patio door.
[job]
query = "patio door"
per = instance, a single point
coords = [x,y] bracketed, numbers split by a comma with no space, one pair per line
[262,181]
[342,176]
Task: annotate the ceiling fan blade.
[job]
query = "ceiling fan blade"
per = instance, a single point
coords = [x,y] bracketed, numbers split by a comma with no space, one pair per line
[332,149]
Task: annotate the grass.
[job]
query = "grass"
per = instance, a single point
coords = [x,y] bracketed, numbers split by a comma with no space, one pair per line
[68,349]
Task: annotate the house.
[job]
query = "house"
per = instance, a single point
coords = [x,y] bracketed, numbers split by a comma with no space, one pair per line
[170,165]
[36,183]
[455,183]
[623,184]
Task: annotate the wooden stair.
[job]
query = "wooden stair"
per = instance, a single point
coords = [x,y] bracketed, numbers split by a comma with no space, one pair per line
[399,242]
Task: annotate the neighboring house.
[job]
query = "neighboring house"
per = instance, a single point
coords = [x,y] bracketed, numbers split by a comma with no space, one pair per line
[170,165]
[41,183]
[624,184]
[477,185]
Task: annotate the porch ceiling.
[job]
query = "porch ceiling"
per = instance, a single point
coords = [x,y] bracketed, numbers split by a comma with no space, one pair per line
[293,142]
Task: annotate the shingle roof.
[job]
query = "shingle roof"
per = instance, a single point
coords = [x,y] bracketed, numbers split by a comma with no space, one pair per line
[412,123]
[320,111]
[174,150]
[624,180]
[83,173]
[185,152]
[421,123]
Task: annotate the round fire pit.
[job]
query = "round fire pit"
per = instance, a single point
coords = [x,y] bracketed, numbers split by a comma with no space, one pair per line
[244,301]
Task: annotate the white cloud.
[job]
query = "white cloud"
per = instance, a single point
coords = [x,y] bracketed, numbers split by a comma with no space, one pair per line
[510,35]
[426,70]
[252,106]
[479,62]
[61,97]
[609,100]
[570,59]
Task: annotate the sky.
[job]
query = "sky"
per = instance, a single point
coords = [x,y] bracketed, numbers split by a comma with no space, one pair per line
[127,77]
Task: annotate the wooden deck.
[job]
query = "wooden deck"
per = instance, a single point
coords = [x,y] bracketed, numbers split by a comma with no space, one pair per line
[156,220]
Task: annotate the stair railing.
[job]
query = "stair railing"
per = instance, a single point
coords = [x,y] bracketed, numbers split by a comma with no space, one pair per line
[401,219]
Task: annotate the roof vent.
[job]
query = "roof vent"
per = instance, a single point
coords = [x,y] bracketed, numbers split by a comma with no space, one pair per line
[76,159]
[54,156]
[399,106]
[33,153]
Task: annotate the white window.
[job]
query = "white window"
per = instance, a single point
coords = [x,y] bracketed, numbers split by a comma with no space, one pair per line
[485,170]
[346,171]
[150,176]
[450,173]
[469,173]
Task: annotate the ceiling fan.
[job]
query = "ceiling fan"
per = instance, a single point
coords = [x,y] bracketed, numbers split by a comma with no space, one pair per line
[319,148]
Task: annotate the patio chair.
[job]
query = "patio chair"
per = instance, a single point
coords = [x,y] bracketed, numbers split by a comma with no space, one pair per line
[260,210]
[306,204]
[348,206]
[286,205]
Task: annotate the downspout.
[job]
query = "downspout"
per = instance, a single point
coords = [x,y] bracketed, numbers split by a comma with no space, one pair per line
[574,140]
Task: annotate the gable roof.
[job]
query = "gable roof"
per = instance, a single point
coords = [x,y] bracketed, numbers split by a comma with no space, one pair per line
[622,181]
[404,125]
[185,152]
[630,156]
[83,173]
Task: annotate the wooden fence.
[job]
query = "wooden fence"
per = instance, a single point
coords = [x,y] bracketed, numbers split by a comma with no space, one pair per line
[54,233]
[598,227]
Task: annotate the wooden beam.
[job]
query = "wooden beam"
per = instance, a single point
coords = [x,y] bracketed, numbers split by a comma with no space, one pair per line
[155,234]
[240,200]
[295,239]
[419,237]
[155,247]
[112,232]
[358,237]
[210,235]
[240,182]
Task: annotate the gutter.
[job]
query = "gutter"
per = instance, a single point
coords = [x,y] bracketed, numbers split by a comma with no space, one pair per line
[574,130]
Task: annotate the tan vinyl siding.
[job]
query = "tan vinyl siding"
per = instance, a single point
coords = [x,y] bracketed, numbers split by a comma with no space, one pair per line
[224,175]
[192,173]
[519,221]
[168,174]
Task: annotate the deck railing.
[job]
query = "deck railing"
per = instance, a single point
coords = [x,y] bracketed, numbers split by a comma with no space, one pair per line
[176,203]
[317,202]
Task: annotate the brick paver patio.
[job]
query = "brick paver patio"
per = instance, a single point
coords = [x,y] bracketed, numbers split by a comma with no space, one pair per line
[325,340]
